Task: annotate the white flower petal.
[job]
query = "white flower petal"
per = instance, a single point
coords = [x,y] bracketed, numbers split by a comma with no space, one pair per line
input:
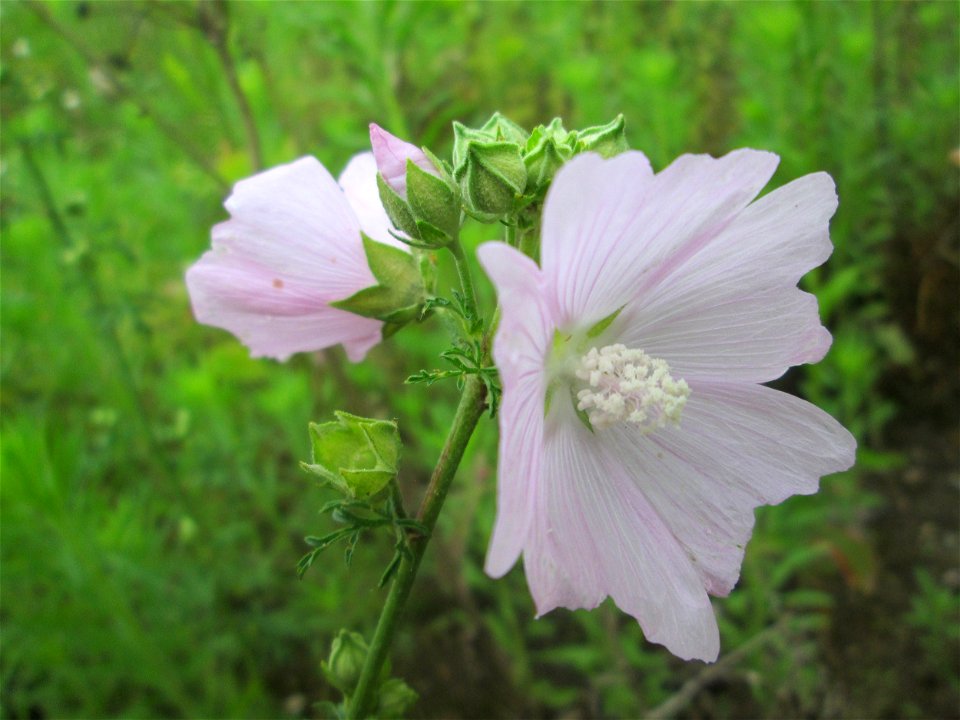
[291,246]
[738,447]
[295,220]
[359,183]
[272,316]
[600,535]
[520,348]
[726,333]
[731,311]
[610,230]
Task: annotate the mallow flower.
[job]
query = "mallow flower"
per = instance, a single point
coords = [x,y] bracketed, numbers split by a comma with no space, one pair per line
[291,247]
[636,437]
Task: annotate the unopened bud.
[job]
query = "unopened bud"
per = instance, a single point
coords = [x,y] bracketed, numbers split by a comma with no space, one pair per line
[347,655]
[394,698]
[608,140]
[416,190]
[548,148]
[503,129]
[492,177]
[392,155]
[356,455]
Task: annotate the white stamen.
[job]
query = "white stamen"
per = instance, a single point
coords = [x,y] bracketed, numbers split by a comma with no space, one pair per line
[627,385]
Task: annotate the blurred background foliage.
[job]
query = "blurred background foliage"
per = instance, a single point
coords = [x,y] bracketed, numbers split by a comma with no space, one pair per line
[152,508]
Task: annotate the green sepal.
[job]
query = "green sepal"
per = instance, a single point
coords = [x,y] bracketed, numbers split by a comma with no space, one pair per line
[500,127]
[399,290]
[608,140]
[492,177]
[433,200]
[431,236]
[602,325]
[397,208]
[462,137]
[548,148]
[389,264]
[581,414]
[356,455]
[442,167]
[375,302]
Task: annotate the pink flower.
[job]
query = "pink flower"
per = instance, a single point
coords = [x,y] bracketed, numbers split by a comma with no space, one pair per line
[292,245]
[662,303]
[392,154]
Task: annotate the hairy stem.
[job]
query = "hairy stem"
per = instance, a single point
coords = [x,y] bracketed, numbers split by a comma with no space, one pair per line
[466,279]
[471,408]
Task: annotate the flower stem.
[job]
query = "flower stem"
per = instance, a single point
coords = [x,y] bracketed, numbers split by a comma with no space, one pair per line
[466,279]
[469,412]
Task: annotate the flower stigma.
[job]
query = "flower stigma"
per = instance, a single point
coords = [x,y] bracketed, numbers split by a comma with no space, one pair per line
[627,385]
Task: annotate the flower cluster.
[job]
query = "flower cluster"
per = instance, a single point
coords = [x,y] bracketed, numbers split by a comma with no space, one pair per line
[637,435]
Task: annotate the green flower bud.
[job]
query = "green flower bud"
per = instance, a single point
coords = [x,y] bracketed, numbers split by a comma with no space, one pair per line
[347,655]
[462,137]
[608,140]
[356,455]
[394,699]
[502,129]
[492,177]
[548,148]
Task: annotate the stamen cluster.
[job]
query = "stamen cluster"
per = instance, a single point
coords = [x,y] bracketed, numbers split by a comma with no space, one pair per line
[627,385]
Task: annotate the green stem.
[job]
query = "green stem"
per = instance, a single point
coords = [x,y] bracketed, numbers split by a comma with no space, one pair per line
[466,279]
[529,243]
[472,404]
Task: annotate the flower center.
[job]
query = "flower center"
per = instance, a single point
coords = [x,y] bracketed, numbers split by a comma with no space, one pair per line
[627,385]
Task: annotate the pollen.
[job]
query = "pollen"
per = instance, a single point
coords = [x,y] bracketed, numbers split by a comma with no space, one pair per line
[627,385]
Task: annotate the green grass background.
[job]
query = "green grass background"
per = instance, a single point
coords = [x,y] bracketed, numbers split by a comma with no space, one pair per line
[152,507]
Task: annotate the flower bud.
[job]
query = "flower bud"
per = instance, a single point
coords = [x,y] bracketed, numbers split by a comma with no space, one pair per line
[416,190]
[608,140]
[462,137]
[392,155]
[548,148]
[501,128]
[356,455]
[394,698]
[491,177]
[347,655]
